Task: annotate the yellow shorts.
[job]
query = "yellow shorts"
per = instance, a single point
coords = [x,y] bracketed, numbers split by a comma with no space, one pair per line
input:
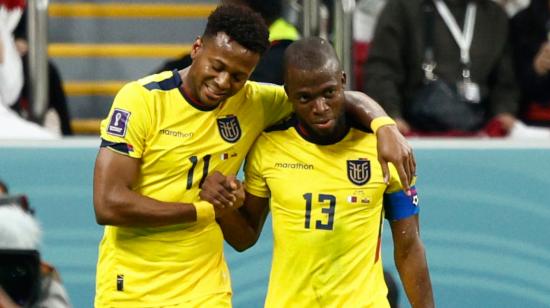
[222,300]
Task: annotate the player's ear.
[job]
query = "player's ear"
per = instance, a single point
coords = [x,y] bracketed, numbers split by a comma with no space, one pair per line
[196,47]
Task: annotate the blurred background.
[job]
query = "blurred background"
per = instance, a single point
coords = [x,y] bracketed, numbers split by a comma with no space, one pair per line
[484,192]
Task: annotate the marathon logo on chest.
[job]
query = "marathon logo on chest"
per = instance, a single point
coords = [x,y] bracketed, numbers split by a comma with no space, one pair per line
[119,122]
[229,128]
[358,171]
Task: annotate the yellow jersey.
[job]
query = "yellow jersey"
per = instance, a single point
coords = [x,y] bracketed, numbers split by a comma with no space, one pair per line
[327,207]
[178,142]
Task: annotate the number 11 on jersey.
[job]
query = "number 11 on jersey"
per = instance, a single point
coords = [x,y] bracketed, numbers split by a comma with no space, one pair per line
[194,161]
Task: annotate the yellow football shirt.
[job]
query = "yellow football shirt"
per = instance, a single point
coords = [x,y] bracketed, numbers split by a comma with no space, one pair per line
[327,207]
[178,143]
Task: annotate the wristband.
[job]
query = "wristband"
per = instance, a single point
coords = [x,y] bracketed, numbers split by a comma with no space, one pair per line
[205,211]
[379,122]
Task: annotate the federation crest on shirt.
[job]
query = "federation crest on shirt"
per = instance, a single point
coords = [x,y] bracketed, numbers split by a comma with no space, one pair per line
[229,128]
[358,171]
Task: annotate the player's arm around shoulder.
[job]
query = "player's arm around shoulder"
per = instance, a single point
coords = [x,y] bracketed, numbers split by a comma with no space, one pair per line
[391,144]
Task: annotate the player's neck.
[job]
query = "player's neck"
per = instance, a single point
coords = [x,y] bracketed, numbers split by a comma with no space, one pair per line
[186,86]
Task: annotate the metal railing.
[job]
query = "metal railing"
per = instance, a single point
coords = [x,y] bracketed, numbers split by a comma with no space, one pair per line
[342,33]
[310,18]
[37,24]
[341,29]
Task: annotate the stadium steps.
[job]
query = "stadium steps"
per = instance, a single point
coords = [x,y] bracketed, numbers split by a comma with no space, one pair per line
[98,46]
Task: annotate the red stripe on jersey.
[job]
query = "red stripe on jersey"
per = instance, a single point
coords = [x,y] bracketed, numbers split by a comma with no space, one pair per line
[379,243]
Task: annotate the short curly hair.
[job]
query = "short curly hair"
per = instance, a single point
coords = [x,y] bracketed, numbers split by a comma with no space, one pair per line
[241,24]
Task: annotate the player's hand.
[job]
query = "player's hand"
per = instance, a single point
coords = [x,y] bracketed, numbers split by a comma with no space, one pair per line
[541,63]
[6,301]
[394,148]
[218,190]
[237,189]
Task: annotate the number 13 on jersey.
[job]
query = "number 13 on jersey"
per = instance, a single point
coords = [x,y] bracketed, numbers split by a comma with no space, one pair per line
[329,210]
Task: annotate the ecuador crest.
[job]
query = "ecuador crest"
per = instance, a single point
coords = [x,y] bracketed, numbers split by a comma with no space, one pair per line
[229,128]
[358,171]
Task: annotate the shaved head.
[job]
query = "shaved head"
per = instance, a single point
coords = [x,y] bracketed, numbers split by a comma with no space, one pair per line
[312,53]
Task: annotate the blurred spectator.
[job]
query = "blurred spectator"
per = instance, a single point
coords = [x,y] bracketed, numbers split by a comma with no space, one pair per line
[20,236]
[513,6]
[530,35]
[394,70]
[57,117]
[11,73]
[11,79]
[3,188]
[281,34]
[364,22]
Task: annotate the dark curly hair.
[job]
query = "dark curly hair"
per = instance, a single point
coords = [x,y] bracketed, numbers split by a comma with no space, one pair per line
[241,24]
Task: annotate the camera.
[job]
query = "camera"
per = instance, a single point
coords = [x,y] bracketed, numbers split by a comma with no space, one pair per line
[20,268]
[20,275]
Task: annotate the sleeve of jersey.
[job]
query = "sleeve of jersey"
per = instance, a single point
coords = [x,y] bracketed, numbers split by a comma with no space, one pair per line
[254,181]
[275,103]
[125,128]
[397,205]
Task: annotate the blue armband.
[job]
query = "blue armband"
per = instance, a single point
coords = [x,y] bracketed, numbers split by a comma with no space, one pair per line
[398,205]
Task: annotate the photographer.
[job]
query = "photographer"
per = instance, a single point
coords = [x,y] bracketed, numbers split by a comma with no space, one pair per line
[24,277]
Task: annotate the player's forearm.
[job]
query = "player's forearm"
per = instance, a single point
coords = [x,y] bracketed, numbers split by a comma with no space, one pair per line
[130,209]
[237,232]
[413,270]
[363,108]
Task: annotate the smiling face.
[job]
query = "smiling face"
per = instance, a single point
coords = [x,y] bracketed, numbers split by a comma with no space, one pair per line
[318,98]
[220,68]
